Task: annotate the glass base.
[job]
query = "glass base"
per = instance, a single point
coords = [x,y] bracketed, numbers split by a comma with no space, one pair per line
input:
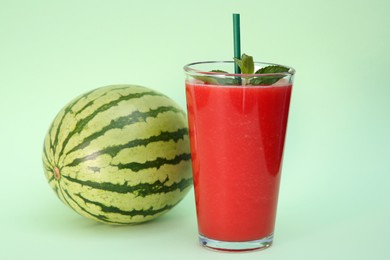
[243,246]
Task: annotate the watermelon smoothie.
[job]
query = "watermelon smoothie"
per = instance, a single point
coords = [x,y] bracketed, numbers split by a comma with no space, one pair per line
[237,136]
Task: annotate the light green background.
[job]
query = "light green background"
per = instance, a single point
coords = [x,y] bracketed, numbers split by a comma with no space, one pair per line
[335,193]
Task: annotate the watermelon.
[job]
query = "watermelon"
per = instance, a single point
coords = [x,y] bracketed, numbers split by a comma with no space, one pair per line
[119,154]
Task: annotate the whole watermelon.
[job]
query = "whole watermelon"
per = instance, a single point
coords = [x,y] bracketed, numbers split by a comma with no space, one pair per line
[119,154]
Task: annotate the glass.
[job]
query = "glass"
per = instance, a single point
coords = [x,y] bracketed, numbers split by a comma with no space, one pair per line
[237,133]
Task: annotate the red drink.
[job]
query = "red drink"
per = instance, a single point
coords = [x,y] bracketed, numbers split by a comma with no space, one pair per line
[237,137]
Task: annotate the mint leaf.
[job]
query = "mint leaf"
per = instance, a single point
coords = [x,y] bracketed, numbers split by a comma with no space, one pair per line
[218,80]
[268,80]
[246,64]
[206,79]
[272,69]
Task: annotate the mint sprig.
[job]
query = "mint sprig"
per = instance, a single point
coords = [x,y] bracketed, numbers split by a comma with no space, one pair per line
[247,66]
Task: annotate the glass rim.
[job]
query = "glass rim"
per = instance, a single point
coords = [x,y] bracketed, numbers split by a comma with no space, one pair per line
[188,68]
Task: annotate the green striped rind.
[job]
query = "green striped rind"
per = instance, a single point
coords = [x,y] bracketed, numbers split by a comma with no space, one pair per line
[122,152]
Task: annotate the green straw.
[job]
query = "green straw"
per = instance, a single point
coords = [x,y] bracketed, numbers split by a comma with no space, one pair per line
[237,42]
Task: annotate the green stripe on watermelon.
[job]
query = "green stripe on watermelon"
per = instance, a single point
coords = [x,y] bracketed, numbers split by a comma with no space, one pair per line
[135,212]
[95,96]
[61,194]
[141,189]
[96,99]
[151,213]
[114,150]
[83,211]
[157,163]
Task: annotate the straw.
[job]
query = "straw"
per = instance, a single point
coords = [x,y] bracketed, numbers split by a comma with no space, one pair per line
[237,42]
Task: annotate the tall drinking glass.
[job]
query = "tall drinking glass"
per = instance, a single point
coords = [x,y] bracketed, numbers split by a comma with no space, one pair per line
[237,127]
